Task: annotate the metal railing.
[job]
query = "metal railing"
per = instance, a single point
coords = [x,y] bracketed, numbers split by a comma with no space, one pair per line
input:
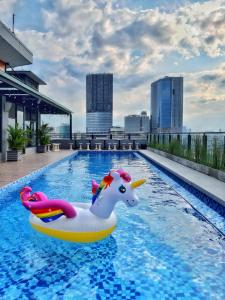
[101,136]
[101,141]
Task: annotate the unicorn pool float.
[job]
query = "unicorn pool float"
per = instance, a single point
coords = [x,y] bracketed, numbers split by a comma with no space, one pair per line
[82,222]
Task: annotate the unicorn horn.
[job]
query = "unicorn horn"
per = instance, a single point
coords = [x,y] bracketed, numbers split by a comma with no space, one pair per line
[137,183]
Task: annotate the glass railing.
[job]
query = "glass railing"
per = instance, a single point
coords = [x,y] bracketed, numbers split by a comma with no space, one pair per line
[202,147]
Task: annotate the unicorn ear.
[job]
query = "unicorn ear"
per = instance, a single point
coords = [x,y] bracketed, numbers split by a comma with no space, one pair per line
[115,175]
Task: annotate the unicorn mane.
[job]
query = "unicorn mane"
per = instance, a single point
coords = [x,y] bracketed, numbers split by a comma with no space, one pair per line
[106,181]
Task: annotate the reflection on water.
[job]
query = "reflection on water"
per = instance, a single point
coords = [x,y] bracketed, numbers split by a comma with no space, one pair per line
[161,249]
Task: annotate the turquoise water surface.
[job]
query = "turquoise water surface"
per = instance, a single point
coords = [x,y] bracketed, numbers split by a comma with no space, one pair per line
[161,249]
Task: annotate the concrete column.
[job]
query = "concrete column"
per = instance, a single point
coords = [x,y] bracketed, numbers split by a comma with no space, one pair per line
[38,123]
[4,125]
[71,126]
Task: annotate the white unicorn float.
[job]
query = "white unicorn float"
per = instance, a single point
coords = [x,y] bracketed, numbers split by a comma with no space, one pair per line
[82,222]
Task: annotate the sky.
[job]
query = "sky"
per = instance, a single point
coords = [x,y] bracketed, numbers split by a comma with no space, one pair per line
[139,41]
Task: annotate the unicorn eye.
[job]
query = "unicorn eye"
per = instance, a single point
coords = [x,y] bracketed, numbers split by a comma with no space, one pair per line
[122,189]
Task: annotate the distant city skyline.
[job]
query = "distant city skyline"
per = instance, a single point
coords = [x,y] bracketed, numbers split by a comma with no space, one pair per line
[138,41]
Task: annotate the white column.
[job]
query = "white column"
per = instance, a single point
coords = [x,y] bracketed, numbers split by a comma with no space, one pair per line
[80,146]
[88,146]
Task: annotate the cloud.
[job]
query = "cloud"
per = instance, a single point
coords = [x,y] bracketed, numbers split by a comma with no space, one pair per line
[85,36]
[97,35]
[204,102]
[6,8]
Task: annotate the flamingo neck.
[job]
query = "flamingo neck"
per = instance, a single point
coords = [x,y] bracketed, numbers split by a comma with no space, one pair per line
[103,207]
[24,195]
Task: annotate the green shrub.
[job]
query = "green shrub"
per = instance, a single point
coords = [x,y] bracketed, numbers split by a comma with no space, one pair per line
[198,149]
[17,137]
[216,155]
[199,154]
[176,148]
[44,134]
[223,160]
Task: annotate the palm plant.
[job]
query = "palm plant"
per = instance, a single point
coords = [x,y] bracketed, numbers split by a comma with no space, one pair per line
[17,137]
[44,134]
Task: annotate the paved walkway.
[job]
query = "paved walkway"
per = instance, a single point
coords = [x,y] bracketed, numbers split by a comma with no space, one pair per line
[10,171]
[212,187]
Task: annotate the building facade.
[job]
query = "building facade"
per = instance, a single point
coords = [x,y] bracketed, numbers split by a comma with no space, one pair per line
[20,100]
[145,122]
[137,123]
[167,105]
[99,102]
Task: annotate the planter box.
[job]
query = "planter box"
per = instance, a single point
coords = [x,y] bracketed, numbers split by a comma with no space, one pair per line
[220,175]
[42,149]
[14,155]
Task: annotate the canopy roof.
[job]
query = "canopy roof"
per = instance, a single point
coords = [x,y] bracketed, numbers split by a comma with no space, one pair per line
[13,51]
[29,74]
[19,92]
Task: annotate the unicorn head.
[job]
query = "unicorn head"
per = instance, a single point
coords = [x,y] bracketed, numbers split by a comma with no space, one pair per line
[114,187]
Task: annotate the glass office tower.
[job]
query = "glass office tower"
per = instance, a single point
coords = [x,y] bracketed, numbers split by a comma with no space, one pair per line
[167,105]
[99,102]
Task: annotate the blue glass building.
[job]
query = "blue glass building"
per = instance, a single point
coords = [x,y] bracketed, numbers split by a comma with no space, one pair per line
[167,105]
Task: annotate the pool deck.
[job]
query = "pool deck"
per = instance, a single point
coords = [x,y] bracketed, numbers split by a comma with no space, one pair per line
[11,171]
[210,186]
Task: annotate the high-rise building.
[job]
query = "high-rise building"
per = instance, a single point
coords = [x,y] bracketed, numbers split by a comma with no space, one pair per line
[132,123]
[167,105]
[137,123]
[145,122]
[99,102]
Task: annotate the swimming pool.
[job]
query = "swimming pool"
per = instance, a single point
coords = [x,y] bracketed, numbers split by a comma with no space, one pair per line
[161,249]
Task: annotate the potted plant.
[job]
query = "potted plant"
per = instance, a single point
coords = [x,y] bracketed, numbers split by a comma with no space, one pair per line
[17,139]
[43,138]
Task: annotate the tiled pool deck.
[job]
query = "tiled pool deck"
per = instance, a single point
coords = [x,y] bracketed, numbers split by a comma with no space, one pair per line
[11,171]
[210,186]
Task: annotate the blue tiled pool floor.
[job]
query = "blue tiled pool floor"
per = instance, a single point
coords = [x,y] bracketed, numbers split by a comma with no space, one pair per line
[161,249]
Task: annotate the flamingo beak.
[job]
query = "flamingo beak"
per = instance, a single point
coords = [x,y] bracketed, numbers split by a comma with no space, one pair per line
[137,183]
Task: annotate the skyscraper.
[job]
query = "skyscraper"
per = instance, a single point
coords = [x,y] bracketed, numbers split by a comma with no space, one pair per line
[145,123]
[132,123]
[137,123]
[167,105]
[99,102]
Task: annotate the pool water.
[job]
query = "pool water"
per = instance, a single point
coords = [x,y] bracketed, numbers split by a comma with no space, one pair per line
[161,249]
